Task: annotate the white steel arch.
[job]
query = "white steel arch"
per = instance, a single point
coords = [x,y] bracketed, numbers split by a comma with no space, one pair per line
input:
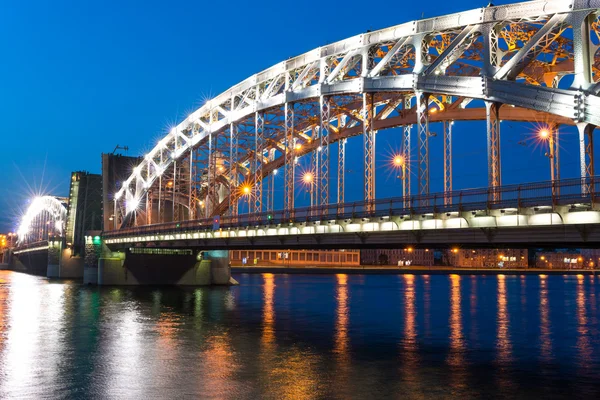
[45,216]
[506,55]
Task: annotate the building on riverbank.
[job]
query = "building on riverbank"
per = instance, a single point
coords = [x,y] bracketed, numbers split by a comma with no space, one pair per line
[400,257]
[487,258]
[561,260]
[307,258]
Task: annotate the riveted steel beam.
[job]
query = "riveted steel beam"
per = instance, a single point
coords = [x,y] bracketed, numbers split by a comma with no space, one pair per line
[369,148]
[423,139]
[493,146]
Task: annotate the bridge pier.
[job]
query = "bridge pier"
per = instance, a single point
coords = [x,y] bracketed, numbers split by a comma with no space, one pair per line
[61,262]
[156,266]
[54,256]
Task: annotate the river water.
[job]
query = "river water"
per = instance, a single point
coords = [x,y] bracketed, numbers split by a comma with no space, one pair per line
[303,336]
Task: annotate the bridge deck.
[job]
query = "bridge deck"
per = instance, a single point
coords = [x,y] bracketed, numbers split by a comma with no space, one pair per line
[553,212]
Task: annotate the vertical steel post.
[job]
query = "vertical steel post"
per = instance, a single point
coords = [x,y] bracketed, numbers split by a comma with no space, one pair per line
[369,148]
[115,216]
[288,188]
[586,156]
[192,202]
[148,208]
[270,201]
[423,135]
[174,208]
[447,161]
[259,125]
[406,154]
[341,178]
[161,211]
[556,158]
[233,170]
[493,147]
[208,203]
[322,196]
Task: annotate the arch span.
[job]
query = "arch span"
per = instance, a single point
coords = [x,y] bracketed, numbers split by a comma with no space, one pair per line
[46,216]
[514,55]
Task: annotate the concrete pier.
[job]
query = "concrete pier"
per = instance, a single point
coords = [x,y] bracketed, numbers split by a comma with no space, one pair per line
[156,266]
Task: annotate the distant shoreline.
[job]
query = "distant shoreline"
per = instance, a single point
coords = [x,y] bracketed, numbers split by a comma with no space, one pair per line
[437,270]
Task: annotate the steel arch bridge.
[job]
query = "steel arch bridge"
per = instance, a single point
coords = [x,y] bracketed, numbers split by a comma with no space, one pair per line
[530,61]
[45,217]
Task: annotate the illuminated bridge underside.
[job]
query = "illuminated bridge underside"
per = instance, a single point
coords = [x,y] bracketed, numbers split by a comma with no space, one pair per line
[531,215]
[532,61]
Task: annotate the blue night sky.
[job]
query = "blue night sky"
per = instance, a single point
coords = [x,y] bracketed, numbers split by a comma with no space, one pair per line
[80,77]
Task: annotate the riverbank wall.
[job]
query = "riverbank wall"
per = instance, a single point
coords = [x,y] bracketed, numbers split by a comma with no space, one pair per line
[370,270]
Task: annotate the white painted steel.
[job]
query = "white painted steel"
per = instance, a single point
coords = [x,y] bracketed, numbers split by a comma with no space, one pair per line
[310,76]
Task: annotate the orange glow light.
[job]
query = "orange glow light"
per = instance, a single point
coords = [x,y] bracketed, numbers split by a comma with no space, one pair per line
[398,161]
[308,177]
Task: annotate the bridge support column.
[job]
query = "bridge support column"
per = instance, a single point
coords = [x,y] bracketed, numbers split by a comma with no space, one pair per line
[448,161]
[493,146]
[153,266]
[586,156]
[341,178]
[257,170]
[447,126]
[54,256]
[290,159]
[322,183]
[93,251]
[369,146]
[406,156]
[423,137]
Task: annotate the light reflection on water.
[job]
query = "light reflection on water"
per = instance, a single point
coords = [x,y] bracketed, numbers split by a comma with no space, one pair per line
[503,342]
[303,336]
[546,341]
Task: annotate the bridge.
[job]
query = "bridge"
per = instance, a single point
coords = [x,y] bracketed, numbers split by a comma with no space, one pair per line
[209,184]
[51,234]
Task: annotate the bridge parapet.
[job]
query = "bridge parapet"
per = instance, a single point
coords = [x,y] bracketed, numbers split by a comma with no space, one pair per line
[523,200]
[534,209]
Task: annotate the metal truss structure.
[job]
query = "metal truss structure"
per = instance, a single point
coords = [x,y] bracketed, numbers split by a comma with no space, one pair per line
[45,217]
[530,61]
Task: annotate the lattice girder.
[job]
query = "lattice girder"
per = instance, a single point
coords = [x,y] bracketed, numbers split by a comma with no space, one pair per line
[530,46]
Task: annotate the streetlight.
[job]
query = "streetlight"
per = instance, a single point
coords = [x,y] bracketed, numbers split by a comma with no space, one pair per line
[548,134]
[308,179]
[246,190]
[399,162]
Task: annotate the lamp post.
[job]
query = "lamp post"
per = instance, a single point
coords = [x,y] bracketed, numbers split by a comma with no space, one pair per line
[400,163]
[246,190]
[308,179]
[272,205]
[550,134]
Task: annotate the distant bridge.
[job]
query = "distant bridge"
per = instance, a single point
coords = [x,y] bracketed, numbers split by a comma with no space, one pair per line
[45,217]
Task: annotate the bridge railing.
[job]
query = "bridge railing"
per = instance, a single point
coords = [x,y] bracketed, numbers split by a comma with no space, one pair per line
[549,193]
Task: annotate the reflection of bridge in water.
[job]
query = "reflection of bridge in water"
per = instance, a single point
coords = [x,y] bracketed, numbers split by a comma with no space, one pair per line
[210,183]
